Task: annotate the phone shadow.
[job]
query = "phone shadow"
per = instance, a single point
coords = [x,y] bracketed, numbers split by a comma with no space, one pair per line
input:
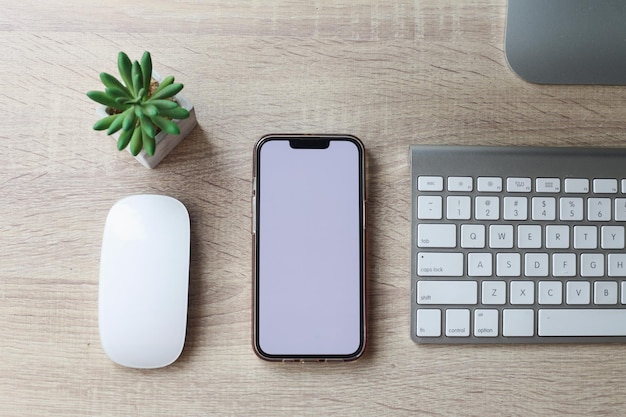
[387,255]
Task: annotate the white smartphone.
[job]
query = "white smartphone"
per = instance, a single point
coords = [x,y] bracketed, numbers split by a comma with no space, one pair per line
[309,248]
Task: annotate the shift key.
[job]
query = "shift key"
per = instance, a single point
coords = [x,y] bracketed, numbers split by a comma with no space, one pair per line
[439,264]
[447,292]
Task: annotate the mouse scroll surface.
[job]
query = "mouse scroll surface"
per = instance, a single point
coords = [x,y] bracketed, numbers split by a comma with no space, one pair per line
[144,280]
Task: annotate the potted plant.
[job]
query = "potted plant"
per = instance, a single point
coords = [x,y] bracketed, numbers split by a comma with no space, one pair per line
[144,112]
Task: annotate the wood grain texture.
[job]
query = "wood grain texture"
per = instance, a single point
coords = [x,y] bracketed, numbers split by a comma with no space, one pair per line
[390,72]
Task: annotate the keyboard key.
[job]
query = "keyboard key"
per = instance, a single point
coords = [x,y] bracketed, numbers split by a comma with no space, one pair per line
[548,185]
[473,236]
[508,264]
[489,184]
[529,237]
[429,207]
[435,264]
[557,237]
[447,292]
[518,323]
[493,292]
[543,208]
[620,209]
[582,322]
[564,264]
[479,264]
[578,292]
[522,292]
[518,185]
[429,183]
[571,209]
[617,264]
[501,236]
[604,186]
[428,322]
[458,208]
[460,184]
[436,235]
[592,265]
[457,322]
[485,323]
[599,209]
[605,293]
[577,185]
[585,237]
[536,264]
[612,237]
[550,293]
[515,208]
[487,208]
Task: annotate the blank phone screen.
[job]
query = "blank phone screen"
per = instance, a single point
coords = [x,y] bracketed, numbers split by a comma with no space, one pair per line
[309,249]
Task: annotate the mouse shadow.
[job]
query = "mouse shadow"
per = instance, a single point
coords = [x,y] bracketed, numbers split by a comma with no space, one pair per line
[197,147]
[197,290]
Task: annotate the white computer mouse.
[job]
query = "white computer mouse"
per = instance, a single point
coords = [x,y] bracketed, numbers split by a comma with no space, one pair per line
[144,281]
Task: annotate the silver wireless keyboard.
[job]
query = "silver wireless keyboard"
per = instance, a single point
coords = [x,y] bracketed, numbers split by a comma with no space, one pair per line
[518,245]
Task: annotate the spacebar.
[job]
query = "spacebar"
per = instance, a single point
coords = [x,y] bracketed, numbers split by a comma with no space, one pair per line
[582,322]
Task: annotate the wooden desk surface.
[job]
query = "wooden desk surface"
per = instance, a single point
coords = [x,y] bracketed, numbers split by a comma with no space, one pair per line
[390,72]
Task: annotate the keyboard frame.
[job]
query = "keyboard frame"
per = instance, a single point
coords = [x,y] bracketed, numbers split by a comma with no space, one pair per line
[506,161]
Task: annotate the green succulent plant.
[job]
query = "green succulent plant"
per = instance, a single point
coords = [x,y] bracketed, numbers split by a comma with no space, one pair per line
[137,107]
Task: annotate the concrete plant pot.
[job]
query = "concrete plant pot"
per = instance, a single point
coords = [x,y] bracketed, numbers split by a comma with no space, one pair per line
[164,141]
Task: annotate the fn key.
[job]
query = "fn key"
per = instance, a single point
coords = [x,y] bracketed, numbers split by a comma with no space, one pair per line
[429,322]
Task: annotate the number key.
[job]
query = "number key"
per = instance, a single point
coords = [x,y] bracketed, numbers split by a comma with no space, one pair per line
[458,208]
[571,209]
[515,208]
[487,208]
[599,209]
[620,209]
[544,208]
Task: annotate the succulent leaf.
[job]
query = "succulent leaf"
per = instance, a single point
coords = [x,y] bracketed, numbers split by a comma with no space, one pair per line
[137,77]
[146,69]
[129,121]
[136,143]
[122,141]
[105,122]
[104,99]
[163,104]
[117,123]
[169,91]
[150,110]
[125,66]
[166,125]
[149,144]
[110,81]
[116,93]
[177,113]
[147,126]
[163,83]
